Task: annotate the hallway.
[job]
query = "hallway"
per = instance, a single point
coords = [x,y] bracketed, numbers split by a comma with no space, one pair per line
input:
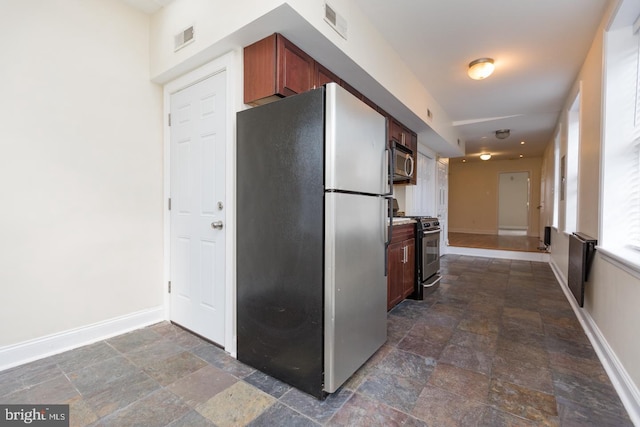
[496,345]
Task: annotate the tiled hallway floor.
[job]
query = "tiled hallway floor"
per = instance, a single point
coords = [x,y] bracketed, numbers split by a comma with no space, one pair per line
[496,345]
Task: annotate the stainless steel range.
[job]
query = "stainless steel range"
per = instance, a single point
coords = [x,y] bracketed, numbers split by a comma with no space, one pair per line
[427,255]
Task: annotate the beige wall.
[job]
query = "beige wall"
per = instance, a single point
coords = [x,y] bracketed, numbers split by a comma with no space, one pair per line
[80,169]
[223,26]
[611,294]
[473,194]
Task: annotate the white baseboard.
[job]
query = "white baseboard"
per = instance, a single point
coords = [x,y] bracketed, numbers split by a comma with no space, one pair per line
[495,253]
[28,351]
[622,382]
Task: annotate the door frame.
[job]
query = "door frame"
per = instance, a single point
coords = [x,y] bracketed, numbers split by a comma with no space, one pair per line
[228,62]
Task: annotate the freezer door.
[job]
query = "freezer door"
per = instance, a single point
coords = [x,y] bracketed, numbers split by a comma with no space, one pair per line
[355,284]
[355,144]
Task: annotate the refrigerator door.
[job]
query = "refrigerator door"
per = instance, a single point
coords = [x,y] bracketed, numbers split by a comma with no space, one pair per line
[355,316]
[280,240]
[355,146]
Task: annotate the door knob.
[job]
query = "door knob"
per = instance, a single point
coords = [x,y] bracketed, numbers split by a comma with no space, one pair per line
[217,225]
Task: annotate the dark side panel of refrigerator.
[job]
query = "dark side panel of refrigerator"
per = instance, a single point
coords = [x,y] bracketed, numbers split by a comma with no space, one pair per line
[280,234]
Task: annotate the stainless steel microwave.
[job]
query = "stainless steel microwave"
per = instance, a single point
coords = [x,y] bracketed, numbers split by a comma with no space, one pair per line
[403,162]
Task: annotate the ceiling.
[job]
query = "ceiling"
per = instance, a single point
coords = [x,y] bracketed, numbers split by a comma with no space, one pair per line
[148,6]
[538,47]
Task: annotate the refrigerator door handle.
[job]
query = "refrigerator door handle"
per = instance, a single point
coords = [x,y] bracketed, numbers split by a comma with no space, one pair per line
[388,228]
[388,171]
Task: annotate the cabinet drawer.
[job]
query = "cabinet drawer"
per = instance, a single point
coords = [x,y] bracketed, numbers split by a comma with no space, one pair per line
[403,232]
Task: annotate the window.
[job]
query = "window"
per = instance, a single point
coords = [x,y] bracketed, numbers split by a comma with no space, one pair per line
[571,177]
[620,237]
[556,181]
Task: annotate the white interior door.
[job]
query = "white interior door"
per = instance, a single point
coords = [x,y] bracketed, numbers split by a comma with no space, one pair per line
[442,203]
[198,133]
[513,203]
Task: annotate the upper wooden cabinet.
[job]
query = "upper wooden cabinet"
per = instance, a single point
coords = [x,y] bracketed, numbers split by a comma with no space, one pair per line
[274,68]
[323,76]
[399,133]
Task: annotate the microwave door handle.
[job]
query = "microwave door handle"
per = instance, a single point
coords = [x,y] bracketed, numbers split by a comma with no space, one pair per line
[410,171]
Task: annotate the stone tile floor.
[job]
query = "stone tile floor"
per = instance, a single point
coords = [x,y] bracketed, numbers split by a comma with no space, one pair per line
[496,345]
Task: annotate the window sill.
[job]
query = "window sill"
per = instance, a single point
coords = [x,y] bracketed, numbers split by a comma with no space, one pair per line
[626,259]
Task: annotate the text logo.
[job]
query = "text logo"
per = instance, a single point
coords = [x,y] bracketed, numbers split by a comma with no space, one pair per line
[34,415]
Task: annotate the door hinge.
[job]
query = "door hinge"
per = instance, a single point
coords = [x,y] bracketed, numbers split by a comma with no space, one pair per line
[169,203]
[169,118]
[169,286]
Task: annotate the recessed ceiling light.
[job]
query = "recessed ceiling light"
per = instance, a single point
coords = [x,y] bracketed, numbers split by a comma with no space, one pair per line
[521,142]
[521,155]
[480,68]
[464,160]
[485,156]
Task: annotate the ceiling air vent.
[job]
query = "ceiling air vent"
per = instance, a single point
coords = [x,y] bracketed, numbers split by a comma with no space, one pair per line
[183,38]
[336,21]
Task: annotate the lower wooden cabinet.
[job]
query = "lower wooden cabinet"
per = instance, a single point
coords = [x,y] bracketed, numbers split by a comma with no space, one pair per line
[402,263]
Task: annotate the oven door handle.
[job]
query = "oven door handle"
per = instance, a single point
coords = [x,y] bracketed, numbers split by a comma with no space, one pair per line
[424,233]
[435,282]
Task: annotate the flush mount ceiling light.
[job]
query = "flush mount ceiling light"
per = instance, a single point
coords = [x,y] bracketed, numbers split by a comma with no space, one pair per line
[485,156]
[480,68]
[503,133]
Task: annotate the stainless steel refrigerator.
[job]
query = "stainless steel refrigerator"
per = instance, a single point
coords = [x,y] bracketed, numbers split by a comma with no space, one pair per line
[312,208]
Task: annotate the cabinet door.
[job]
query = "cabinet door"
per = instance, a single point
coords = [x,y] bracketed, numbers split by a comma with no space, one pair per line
[295,68]
[395,131]
[395,274]
[323,76]
[409,268]
[260,71]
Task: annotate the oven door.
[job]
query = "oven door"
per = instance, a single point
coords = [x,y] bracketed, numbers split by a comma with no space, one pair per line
[430,253]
